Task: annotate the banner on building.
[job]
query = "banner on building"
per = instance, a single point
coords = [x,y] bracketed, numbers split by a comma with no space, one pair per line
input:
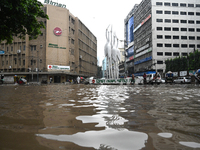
[56,67]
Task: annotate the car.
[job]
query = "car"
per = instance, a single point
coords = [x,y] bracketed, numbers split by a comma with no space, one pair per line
[150,79]
[183,80]
[89,80]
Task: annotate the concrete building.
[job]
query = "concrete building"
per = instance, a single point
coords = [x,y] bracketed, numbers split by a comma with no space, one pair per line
[163,30]
[64,50]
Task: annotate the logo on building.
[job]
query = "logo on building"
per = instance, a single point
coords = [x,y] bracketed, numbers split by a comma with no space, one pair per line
[57,31]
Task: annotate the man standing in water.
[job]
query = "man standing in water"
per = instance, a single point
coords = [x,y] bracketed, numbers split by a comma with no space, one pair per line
[133,79]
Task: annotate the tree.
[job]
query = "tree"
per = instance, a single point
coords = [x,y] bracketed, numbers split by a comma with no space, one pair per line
[19,17]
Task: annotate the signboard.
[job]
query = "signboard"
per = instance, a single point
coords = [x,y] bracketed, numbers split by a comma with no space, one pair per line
[54,3]
[183,73]
[56,67]
[2,52]
[57,31]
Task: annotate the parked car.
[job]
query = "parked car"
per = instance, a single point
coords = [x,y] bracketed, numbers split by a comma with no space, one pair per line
[89,80]
[183,80]
[151,80]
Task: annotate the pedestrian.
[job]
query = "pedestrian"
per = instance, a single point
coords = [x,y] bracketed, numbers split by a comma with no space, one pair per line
[78,80]
[145,78]
[133,79]
[50,79]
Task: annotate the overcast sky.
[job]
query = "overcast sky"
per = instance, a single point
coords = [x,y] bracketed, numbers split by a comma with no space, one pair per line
[97,15]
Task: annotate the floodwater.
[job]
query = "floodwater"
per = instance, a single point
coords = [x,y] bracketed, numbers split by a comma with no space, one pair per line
[103,117]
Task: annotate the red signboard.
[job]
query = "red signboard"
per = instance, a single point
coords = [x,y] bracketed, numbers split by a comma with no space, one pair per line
[57,31]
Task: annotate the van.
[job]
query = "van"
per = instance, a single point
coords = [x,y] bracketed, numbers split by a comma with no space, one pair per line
[150,79]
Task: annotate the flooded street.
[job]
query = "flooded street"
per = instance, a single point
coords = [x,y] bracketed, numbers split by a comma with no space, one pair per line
[103,117]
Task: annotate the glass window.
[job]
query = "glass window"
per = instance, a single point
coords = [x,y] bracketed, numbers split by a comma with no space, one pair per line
[197,5]
[175,37]
[191,37]
[175,54]
[184,54]
[11,48]
[175,12]
[198,13]
[168,20]
[175,21]
[183,21]
[167,28]
[191,29]
[198,29]
[159,3]
[198,37]
[174,4]
[168,45]
[159,20]
[183,29]
[167,36]
[184,37]
[183,4]
[175,29]
[183,13]
[159,62]
[184,45]
[167,4]
[159,11]
[190,5]
[159,45]
[159,36]
[159,28]
[191,21]
[167,12]
[198,45]
[160,53]
[192,46]
[191,13]
[198,22]
[168,54]
[175,45]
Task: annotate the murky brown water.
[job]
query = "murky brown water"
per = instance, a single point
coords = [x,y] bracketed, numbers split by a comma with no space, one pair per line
[104,117]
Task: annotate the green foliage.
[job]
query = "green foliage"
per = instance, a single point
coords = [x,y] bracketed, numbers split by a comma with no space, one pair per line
[19,17]
[191,62]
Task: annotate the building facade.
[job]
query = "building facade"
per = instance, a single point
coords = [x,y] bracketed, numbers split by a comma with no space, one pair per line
[164,30]
[65,49]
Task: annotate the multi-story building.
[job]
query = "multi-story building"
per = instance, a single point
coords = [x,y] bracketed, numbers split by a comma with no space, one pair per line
[164,30]
[65,49]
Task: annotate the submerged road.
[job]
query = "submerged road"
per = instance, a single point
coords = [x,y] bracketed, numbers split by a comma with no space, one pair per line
[104,117]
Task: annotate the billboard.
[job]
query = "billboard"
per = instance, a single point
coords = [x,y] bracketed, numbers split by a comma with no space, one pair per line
[129,30]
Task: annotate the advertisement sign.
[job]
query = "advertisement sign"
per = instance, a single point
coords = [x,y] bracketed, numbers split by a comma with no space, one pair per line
[2,52]
[57,31]
[183,73]
[56,67]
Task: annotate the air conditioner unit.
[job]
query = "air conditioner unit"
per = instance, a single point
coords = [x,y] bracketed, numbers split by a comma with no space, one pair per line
[80,56]
[18,51]
[10,67]
[41,46]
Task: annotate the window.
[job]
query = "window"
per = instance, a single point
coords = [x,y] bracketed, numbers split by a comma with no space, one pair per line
[190,5]
[167,36]
[182,4]
[167,12]
[6,62]
[72,41]
[167,28]
[175,37]
[168,20]
[159,28]
[192,46]
[183,29]
[159,11]
[183,21]
[191,21]
[160,53]
[175,21]
[33,47]
[167,4]
[175,54]
[175,12]
[168,45]
[168,54]
[7,49]
[198,29]
[159,20]
[11,48]
[198,22]
[159,45]
[24,47]
[184,45]
[2,63]
[72,20]
[198,13]
[175,29]
[191,29]
[174,4]
[191,13]
[197,5]
[159,36]
[191,37]
[198,46]
[184,54]
[159,3]
[184,37]
[159,62]
[176,45]
[15,61]
[183,13]
[23,62]
[198,37]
